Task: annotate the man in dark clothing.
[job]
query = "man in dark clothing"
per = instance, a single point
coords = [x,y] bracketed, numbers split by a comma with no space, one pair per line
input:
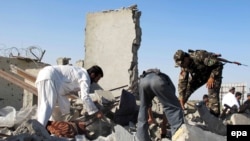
[245,107]
[198,68]
[238,97]
[205,99]
[154,83]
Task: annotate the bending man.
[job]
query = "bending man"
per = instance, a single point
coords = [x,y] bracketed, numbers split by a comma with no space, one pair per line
[154,83]
[54,82]
[198,68]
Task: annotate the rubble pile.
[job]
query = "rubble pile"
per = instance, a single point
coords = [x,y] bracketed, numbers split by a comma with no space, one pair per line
[22,126]
[15,125]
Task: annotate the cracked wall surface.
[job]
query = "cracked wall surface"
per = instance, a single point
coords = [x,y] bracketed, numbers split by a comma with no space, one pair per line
[11,94]
[112,40]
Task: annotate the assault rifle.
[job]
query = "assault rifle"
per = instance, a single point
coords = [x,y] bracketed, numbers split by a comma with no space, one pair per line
[232,62]
[218,56]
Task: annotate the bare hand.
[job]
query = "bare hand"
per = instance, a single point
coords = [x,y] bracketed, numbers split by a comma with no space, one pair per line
[182,103]
[210,83]
[99,114]
[151,121]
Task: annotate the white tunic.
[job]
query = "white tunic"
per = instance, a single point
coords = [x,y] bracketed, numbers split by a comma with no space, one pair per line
[230,100]
[54,82]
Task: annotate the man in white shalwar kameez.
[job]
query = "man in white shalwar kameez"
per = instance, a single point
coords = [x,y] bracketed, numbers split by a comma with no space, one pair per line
[230,99]
[54,82]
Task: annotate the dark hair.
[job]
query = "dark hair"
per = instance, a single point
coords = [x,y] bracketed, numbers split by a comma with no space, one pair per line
[96,70]
[238,94]
[232,89]
[205,96]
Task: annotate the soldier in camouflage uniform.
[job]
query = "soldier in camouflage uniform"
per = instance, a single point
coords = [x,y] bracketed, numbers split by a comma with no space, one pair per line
[198,68]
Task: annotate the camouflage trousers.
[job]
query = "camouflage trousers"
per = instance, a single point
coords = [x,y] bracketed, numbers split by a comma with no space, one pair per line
[213,93]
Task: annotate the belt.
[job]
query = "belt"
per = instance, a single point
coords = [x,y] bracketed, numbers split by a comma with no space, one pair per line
[144,73]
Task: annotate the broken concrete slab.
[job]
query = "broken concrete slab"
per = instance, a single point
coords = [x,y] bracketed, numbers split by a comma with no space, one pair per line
[112,39]
[193,133]
[31,127]
[121,134]
[240,119]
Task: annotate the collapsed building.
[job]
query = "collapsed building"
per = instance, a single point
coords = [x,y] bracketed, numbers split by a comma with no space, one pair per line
[104,46]
[113,44]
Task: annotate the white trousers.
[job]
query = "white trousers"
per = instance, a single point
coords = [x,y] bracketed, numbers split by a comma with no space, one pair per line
[48,98]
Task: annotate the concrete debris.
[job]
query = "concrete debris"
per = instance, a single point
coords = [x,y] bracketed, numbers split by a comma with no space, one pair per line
[194,133]
[32,128]
[240,119]
[214,124]
[194,129]
[21,125]
[122,134]
[9,117]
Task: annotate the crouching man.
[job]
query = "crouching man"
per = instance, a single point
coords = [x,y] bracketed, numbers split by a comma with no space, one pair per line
[155,83]
[55,82]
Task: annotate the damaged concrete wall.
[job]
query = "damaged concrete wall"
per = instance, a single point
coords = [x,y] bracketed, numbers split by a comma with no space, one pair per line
[112,39]
[11,94]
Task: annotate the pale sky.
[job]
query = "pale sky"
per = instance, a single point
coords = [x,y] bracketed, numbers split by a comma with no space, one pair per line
[57,26]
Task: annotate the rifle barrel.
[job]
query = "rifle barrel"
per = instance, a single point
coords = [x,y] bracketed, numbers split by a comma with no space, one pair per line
[232,62]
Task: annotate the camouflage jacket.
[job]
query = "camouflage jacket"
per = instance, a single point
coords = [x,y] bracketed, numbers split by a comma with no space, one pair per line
[203,65]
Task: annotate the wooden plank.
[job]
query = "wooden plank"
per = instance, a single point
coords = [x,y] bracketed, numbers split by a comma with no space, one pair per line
[18,82]
[23,73]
